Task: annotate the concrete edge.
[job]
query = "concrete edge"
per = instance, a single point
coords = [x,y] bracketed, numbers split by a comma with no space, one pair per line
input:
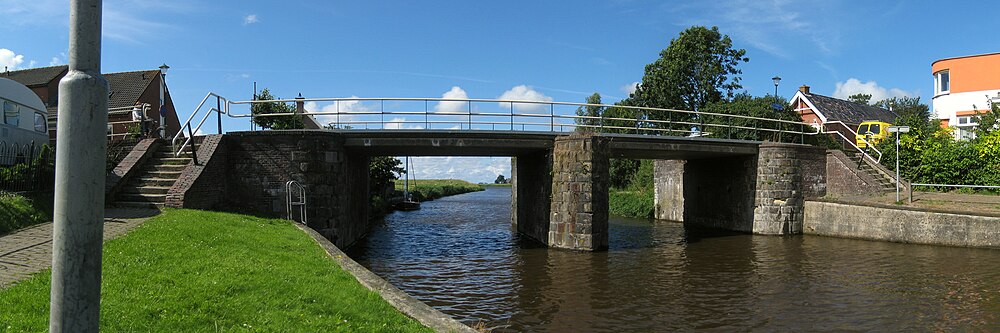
[906,208]
[400,300]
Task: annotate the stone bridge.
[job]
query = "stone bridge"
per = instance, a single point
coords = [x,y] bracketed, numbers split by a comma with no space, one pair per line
[560,180]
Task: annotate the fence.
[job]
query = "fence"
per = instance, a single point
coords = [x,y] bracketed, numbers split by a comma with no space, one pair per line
[26,168]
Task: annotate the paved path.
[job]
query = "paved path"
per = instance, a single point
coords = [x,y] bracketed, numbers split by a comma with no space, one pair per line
[974,204]
[29,251]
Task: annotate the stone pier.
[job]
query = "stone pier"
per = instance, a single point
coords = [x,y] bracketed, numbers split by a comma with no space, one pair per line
[668,189]
[781,190]
[579,213]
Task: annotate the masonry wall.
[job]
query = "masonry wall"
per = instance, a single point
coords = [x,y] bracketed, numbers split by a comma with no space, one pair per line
[202,185]
[531,194]
[260,163]
[719,193]
[129,167]
[579,213]
[900,225]
[844,178]
[668,189]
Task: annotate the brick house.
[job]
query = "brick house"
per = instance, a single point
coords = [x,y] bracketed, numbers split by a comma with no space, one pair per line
[126,89]
[826,112]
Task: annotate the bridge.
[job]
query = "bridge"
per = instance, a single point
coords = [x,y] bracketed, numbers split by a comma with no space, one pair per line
[560,164]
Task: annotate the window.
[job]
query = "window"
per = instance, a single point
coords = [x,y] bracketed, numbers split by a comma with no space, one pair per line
[863,129]
[10,113]
[965,127]
[876,128]
[40,123]
[942,82]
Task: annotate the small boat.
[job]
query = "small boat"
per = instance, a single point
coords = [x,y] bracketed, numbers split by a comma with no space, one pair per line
[408,203]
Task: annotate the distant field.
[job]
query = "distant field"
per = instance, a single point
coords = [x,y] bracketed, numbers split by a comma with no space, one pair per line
[198,271]
[430,189]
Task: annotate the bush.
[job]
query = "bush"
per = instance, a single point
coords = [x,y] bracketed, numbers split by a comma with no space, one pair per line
[635,204]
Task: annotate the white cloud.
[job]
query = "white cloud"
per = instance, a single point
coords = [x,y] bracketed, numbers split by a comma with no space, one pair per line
[55,61]
[525,93]
[401,123]
[630,88]
[854,86]
[129,21]
[344,108]
[250,19]
[10,60]
[453,106]
[473,169]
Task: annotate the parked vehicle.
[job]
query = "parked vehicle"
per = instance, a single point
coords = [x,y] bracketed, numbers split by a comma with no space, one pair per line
[873,131]
[24,119]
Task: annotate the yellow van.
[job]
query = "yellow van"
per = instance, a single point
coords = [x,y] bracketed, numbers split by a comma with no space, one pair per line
[872,130]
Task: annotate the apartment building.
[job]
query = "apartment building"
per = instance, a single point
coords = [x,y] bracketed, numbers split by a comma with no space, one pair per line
[963,87]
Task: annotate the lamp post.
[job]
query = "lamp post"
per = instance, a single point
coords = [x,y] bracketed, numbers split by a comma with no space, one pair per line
[776,79]
[899,130]
[163,99]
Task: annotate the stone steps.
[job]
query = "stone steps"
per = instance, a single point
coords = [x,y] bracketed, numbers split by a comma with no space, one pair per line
[150,186]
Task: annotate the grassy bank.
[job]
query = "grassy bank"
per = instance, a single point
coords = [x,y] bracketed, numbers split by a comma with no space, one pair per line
[635,204]
[430,189]
[196,271]
[18,211]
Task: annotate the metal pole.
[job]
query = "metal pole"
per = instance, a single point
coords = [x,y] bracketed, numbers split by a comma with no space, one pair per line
[79,190]
[218,112]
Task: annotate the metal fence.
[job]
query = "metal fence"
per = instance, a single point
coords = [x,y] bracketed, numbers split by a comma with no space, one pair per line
[26,168]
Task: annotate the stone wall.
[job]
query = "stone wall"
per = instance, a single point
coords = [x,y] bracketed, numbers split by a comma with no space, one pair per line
[129,167]
[900,225]
[579,208]
[779,196]
[668,186]
[719,193]
[844,178]
[202,186]
[531,194]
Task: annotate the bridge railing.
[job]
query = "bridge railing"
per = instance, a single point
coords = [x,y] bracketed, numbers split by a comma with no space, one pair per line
[506,115]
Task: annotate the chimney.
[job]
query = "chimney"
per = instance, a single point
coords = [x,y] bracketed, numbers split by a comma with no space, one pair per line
[804,89]
[300,104]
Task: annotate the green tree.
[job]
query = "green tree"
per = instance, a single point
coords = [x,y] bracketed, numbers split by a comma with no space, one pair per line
[500,180]
[760,107]
[860,98]
[274,122]
[381,171]
[697,68]
[591,111]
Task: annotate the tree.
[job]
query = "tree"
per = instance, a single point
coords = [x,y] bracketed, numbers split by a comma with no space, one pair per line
[274,122]
[746,105]
[381,171]
[860,98]
[500,180]
[697,68]
[592,111]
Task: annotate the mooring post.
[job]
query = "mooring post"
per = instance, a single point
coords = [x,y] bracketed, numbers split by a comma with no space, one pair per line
[79,190]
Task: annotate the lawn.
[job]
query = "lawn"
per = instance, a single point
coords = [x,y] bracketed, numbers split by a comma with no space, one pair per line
[188,270]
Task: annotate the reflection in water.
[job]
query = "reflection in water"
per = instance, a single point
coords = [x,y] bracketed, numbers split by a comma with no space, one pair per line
[459,255]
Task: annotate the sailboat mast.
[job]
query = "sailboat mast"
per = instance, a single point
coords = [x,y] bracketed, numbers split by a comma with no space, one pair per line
[406,181]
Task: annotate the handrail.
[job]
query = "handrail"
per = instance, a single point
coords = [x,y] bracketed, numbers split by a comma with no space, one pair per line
[851,141]
[301,203]
[511,114]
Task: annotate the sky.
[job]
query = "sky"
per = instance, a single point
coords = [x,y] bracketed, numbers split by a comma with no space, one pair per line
[539,50]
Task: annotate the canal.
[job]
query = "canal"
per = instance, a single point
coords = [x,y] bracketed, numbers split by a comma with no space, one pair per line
[459,255]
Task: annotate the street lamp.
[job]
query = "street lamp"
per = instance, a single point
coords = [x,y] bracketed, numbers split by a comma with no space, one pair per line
[163,99]
[776,79]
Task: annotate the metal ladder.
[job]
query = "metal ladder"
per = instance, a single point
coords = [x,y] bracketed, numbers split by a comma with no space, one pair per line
[295,195]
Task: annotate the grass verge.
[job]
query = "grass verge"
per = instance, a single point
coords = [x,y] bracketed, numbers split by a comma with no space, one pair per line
[18,211]
[198,271]
[430,189]
[635,204]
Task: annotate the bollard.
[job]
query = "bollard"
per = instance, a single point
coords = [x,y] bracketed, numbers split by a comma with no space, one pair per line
[79,190]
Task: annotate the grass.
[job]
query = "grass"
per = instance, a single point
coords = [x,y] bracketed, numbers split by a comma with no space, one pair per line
[430,189]
[198,271]
[18,211]
[635,204]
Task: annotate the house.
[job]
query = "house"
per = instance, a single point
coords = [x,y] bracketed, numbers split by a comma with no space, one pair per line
[127,89]
[963,87]
[836,114]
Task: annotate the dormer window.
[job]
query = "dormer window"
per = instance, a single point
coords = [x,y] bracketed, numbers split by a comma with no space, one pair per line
[942,82]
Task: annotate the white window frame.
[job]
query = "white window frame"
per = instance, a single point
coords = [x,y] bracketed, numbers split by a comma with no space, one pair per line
[13,117]
[938,89]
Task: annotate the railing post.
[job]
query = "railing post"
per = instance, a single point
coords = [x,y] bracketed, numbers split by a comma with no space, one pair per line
[218,112]
[469,103]
[552,118]
[512,116]
[194,150]
[427,123]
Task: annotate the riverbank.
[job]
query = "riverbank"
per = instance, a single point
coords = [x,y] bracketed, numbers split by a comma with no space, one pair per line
[188,270]
[632,204]
[430,189]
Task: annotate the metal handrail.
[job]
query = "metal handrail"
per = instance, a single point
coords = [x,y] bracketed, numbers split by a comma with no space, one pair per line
[512,119]
[851,141]
[301,203]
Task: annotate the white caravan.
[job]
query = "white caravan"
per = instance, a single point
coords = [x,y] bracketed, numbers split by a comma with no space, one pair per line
[23,120]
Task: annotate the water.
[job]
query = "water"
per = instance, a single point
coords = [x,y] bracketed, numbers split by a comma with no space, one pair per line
[459,255]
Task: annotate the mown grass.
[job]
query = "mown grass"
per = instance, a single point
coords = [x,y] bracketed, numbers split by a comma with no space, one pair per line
[430,189]
[635,204]
[18,211]
[197,271]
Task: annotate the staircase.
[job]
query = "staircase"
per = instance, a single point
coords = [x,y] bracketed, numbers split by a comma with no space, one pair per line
[885,181]
[149,188]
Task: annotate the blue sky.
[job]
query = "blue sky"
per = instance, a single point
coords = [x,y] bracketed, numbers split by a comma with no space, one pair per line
[539,49]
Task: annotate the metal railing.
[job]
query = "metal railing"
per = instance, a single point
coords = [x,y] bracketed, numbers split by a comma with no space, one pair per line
[851,141]
[505,115]
[26,168]
[295,195]
[989,187]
